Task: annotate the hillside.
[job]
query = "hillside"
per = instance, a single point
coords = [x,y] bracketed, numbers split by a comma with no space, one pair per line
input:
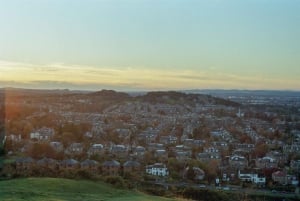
[50,189]
[173,97]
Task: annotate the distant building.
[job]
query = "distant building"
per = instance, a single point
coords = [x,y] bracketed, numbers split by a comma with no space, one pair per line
[238,162]
[47,163]
[14,138]
[283,178]
[119,150]
[250,176]
[75,149]
[198,172]
[295,165]
[240,114]
[161,154]
[69,164]
[43,134]
[111,168]
[266,162]
[155,146]
[139,151]
[206,157]
[168,140]
[131,166]
[183,155]
[193,143]
[95,149]
[157,169]
[89,165]
[244,147]
[57,146]
[24,164]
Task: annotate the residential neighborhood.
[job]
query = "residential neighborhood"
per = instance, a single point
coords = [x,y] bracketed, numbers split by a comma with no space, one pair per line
[159,136]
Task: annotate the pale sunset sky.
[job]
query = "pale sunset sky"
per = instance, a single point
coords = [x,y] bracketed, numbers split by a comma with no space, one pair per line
[150,44]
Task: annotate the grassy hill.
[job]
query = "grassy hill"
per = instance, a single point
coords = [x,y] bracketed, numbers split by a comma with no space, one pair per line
[52,189]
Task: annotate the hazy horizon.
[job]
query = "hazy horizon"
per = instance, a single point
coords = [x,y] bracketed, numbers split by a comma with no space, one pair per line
[141,45]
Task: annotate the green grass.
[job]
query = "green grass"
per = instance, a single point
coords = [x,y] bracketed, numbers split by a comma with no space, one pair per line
[52,189]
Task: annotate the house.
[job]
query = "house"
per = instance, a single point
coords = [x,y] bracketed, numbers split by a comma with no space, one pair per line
[293,148]
[69,164]
[139,151]
[157,169]
[42,134]
[228,174]
[278,156]
[75,148]
[89,165]
[183,155]
[95,149]
[279,177]
[216,133]
[161,154]
[47,163]
[193,143]
[266,162]
[220,145]
[149,135]
[238,162]
[14,138]
[57,146]
[207,157]
[119,150]
[24,163]
[198,143]
[250,176]
[155,146]
[183,148]
[211,150]
[245,147]
[295,165]
[283,178]
[123,132]
[198,172]
[131,166]
[111,168]
[167,140]
[209,154]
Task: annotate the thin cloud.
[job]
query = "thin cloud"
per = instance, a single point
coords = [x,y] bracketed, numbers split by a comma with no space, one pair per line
[59,75]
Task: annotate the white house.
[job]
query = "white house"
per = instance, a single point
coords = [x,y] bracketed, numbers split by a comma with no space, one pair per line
[252,177]
[157,169]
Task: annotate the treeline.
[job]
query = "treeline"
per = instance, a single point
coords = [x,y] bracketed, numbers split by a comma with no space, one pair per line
[207,195]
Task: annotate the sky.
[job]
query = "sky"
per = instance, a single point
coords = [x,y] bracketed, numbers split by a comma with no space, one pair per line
[150,44]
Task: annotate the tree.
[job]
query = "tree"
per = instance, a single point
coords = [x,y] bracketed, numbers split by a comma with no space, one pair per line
[190,174]
[40,150]
[175,168]
[211,170]
[67,138]
[261,150]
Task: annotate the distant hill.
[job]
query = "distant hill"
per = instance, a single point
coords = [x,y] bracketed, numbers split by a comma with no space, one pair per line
[173,97]
[234,92]
[110,97]
[110,94]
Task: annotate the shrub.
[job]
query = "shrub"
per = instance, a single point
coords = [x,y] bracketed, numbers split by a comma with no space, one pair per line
[116,181]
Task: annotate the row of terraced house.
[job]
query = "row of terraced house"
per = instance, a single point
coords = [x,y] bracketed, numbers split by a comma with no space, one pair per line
[110,167]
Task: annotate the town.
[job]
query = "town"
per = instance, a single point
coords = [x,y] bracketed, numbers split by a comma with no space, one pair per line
[168,138]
